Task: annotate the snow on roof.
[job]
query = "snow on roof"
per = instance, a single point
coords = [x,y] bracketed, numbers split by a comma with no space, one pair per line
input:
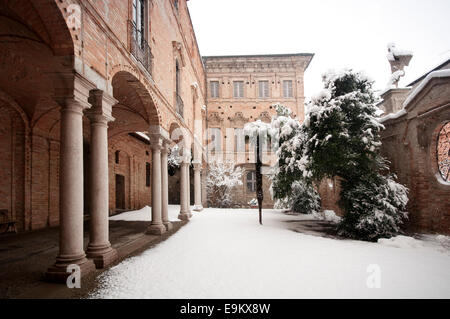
[420,87]
[392,116]
[435,68]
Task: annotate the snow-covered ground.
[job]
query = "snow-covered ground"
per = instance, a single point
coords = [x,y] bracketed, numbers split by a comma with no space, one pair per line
[226,254]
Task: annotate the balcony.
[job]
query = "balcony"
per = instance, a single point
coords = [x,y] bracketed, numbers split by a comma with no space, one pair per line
[139,47]
[180,106]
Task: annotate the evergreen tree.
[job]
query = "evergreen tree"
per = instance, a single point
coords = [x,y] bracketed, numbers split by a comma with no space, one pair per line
[343,139]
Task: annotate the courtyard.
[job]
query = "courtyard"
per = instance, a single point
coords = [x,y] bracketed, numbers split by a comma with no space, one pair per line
[225,253]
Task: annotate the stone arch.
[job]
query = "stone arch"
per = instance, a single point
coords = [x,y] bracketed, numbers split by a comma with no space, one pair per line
[47,21]
[36,56]
[135,110]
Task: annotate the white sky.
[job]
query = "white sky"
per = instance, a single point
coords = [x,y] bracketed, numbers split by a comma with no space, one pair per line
[341,33]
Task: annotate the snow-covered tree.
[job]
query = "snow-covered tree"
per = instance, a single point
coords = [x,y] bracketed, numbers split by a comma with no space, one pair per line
[174,158]
[292,188]
[343,139]
[222,178]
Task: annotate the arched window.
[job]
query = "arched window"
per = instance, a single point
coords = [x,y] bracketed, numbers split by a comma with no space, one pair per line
[443,152]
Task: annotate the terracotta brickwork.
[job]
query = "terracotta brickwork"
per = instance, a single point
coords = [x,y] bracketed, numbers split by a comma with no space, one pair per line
[329,190]
[63,43]
[410,144]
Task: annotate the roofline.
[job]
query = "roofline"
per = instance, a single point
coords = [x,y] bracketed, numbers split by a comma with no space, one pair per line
[257,55]
[263,56]
[426,74]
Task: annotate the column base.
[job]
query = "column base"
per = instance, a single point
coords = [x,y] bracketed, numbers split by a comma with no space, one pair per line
[184,216]
[156,229]
[102,257]
[168,226]
[58,272]
[198,208]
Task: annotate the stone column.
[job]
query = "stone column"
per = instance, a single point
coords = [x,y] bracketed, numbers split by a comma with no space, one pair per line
[184,175]
[157,227]
[198,187]
[71,250]
[99,248]
[188,191]
[165,186]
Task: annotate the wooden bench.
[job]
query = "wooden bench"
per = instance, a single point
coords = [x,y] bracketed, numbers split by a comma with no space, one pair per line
[7,222]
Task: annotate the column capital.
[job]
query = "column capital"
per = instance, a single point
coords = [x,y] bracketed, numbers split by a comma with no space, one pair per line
[156,142]
[197,166]
[72,86]
[165,147]
[158,131]
[101,110]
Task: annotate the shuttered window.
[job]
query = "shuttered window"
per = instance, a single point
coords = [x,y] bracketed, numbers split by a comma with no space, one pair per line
[238,89]
[239,140]
[216,140]
[287,89]
[214,89]
[263,89]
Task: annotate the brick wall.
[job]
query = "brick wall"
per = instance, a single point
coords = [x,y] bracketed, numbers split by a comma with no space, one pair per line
[91,38]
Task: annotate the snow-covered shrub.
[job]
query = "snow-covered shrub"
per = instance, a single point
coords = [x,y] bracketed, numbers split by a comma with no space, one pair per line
[304,198]
[328,215]
[375,208]
[222,178]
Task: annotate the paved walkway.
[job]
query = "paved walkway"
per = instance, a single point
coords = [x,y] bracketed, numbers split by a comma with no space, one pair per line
[25,257]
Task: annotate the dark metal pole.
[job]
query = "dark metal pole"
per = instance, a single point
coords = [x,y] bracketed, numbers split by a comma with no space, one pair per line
[259,190]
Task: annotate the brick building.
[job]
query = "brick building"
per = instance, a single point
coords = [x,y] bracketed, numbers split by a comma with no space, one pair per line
[242,89]
[91,95]
[417,143]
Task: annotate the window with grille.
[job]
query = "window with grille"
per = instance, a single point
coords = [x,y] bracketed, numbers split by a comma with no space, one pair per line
[214,89]
[251,181]
[139,20]
[287,89]
[238,91]
[263,89]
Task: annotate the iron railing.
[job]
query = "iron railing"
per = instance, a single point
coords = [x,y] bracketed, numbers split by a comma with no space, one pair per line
[139,46]
[180,106]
